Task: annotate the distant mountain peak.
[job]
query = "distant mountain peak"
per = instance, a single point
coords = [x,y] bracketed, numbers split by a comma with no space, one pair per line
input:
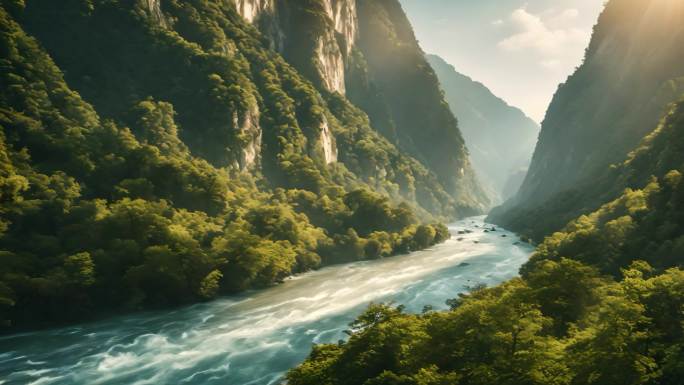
[500,137]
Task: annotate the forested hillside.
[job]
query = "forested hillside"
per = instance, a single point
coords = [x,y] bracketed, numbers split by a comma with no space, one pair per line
[600,302]
[631,73]
[501,138]
[160,152]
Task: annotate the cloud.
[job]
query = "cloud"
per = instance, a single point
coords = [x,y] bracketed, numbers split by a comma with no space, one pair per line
[564,19]
[497,22]
[552,64]
[551,35]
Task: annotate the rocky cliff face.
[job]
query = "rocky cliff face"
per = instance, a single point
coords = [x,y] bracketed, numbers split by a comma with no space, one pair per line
[154,8]
[327,141]
[334,45]
[251,135]
[325,40]
[252,9]
[630,74]
[345,20]
[330,63]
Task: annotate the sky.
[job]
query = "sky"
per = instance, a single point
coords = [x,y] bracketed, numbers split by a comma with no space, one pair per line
[521,49]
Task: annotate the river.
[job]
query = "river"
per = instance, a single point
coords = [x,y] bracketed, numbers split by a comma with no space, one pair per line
[255,337]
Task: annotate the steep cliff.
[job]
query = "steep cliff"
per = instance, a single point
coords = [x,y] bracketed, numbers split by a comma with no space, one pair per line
[394,83]
[252,9]
[345,20]
[366,50]
[154,8]
[631,73]
[501,138]
[249,130]
[317,36]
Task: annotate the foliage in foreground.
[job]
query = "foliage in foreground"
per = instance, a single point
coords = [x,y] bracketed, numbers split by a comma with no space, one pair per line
[601,302]
[619,333]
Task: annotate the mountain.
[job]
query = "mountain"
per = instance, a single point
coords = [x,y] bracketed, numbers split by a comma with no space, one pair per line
[501,138]
[396,68]
[367,51]
[375,60]
[157,152]
[601,300]
[631,72]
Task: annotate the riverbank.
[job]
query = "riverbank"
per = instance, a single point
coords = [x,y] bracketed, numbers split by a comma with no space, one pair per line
[255,337]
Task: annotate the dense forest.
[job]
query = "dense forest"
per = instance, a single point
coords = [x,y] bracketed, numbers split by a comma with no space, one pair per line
[154,153]
[601,301]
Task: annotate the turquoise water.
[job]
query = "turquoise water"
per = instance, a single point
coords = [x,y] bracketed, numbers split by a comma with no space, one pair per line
[254,338]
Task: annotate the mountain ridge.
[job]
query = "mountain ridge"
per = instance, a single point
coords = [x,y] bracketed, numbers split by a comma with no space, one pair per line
[627,80]
[500,137]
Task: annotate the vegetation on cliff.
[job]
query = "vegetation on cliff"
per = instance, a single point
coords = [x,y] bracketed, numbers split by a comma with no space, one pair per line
[151,157]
